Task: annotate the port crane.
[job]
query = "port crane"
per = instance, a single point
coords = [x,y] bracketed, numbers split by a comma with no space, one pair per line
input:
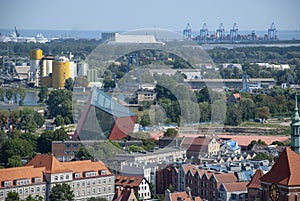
[220,32]
[272,32]
[234,32]
[187,32]
[203,32]
[16,31]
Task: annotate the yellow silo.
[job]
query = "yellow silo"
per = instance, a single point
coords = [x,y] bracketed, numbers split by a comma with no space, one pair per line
[60,72]
[36,54]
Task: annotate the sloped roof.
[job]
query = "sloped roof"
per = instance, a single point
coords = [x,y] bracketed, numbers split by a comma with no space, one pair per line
[286,169]
[51,164]
[17,173]
[128,181]
[86,165]
[180,195]
[235,186]
[255,181]
[225,177]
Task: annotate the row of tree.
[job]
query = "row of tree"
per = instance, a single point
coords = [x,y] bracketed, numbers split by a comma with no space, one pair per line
[17,94]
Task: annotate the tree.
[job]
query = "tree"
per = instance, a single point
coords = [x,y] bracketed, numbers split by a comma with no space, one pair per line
[171,132]
[61,192]
[247,108]
[233,116]
[263,113]
[59,120]
[14,161]
[83,153]
[46,138]
[60,103]
[43,94]
[39,119]
[263,156]
[22,95]
[253,142]
[9,93]
[2,93]
[96,199]
[145,120]
[12,196]
[36,198]
[69,84]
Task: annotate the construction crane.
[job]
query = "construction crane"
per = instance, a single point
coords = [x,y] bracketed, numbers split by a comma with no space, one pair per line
[272,32]
[132,60]
[234,32]
[187,32]
[203,32]
[220,32]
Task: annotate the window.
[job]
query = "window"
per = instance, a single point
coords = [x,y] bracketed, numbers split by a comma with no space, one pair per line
[94,191]
[104,189]
[67,177]
[7,183]
[103,172]
[88,183]
[99,181]
[26,190]
[88,191]
[99,190]
[104,181]
[83,183]
[61,177]
[2,193]
[44,188]
[38,189]
[56,178]
[31,190]
[20,191]
[83,192]
[78,184]
[93,181]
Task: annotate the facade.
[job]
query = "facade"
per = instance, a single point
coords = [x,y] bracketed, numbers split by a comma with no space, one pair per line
[65,150]
[86,178]
[104,118]
[124,194]
[144,95]
[166,155]
[254,186]
[25,181]
[138,183]
[233,191]
[203,147]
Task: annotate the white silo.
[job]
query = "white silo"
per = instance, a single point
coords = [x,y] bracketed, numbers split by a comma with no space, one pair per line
[82,68]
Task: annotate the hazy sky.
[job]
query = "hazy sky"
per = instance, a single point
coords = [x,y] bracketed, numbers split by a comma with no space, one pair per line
[133,14]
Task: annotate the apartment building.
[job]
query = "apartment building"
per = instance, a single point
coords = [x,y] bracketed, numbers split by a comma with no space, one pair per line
[86,178]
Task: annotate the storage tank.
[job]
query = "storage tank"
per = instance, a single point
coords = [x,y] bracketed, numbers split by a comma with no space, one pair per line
[73,70]
[82,68]
[60,72]
[36,54]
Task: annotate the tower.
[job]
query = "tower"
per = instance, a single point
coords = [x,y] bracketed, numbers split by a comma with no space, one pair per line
[60,72]
[295,126]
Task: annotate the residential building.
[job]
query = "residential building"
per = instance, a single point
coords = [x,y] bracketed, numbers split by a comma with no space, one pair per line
[138,183]
[163,178]
[86,178]
[27,180]
[166,155]
[124,194]
[233,191]
[180,196]
[65,150]
[230,147]
[203,146]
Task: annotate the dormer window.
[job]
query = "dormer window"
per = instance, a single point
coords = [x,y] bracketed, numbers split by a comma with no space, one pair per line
[103,172]
[37,180]
[7,183]
[77,175]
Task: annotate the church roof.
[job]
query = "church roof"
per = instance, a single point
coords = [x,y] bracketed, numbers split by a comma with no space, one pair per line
[286,170]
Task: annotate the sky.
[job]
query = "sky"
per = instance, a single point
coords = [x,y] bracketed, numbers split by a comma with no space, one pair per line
[125,15]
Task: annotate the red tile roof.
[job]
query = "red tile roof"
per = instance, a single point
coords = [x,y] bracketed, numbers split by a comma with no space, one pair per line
[255,181]
[18,173]
[286,169]
[53,166]
[225,177]
[236,186]
[183,196]
[50,162]
[128,181]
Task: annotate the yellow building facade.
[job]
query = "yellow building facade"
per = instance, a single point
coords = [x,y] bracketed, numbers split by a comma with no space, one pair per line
[60,72]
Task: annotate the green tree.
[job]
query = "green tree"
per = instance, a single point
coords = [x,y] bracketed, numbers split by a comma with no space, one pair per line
[233,116]
[145,120]
[36,198]
[39,119]
[12,196]
[263,156]
[60,103]
[46,138]
[27,122]
[14,161]
[69,84]
[61,192]
[59,120]
[171,132]
[2,93]
[253,142]
[43,94]
[96,199]
[263,113]
[83,153]
[247,108]
[22,95]
[9,94]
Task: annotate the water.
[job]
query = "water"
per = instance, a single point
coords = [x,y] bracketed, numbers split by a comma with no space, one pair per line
[31,99]
[96,34]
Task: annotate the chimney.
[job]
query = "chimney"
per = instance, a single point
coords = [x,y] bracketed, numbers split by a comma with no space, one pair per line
[118,191]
